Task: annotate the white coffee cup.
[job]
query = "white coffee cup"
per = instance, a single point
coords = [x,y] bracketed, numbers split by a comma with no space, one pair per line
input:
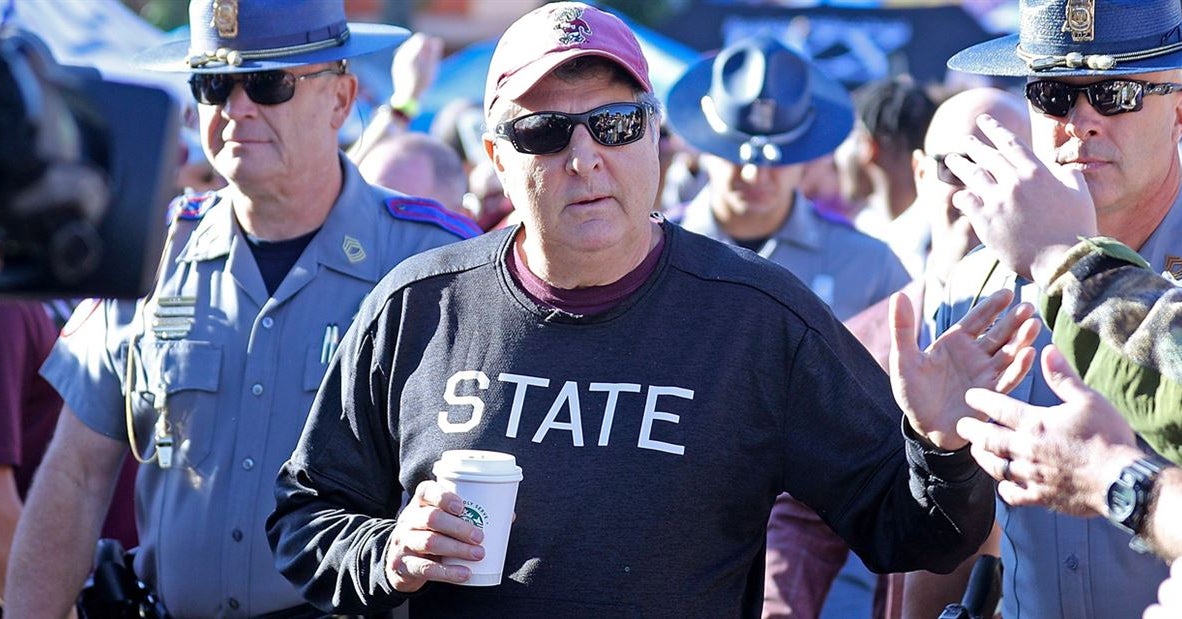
[487,483]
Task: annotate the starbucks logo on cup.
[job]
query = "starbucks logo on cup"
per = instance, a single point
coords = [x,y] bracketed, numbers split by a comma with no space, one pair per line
[474,513]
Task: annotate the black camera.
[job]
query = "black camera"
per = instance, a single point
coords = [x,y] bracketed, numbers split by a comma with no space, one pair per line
[86,170]
[113,591]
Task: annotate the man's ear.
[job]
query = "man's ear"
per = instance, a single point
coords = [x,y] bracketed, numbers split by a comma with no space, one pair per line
[1176,130]
[917,169]
[494,155]
[867,147]
[344,95]
[490,148]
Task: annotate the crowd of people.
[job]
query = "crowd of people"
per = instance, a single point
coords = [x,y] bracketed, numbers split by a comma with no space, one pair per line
[730,335]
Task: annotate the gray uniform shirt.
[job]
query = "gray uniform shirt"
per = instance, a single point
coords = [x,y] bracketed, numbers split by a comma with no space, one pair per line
[847,269]
[1058,565]
[237,386]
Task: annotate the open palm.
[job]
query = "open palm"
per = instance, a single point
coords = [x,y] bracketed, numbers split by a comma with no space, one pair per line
[980,350]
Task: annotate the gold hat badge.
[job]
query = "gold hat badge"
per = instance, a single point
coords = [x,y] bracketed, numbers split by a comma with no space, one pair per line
[225,18]
[1080,20]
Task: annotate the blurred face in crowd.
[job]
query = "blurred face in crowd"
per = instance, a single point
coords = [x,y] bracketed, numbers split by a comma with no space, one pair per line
[587,197]
[262,147]
[852,157]
[750,190]
[1128,158]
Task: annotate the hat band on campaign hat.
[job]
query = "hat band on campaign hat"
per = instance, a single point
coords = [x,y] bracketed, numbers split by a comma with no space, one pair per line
[1078,38]
[244,36]
[235,58]
[756,147]
[1096,62]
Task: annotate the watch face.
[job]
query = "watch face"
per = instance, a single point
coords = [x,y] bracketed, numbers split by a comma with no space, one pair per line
[1122,500]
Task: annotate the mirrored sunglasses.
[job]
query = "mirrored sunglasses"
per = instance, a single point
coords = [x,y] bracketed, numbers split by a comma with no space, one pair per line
[263,87]
[544,133]
[1108,97]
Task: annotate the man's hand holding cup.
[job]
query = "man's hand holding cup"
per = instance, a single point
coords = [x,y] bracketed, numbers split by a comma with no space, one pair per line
[429,529]
[456,528]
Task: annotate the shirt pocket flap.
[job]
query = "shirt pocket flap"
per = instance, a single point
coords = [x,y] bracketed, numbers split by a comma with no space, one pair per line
[188,365]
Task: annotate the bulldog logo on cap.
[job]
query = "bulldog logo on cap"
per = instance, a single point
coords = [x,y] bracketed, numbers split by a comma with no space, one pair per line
[573,29]
[1080,20]
[225,18]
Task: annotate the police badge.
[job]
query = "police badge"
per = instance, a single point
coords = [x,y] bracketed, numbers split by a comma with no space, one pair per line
[225,18]
[1080,20]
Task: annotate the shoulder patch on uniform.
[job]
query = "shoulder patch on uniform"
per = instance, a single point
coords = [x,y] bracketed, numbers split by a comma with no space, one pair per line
[412,208]
[191,206]
[86,308]
[832,217]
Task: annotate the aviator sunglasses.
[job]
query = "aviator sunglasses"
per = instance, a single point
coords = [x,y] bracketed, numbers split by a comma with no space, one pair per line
[1108,97]
[545,133]
[263,87]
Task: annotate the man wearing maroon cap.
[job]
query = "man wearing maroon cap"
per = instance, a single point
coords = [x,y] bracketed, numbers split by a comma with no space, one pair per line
[657,388]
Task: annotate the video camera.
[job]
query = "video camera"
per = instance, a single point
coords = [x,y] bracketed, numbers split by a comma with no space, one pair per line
[86,171]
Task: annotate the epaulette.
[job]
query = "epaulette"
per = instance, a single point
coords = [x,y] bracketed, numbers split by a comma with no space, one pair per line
[833,217]
[191,206]
[426,210]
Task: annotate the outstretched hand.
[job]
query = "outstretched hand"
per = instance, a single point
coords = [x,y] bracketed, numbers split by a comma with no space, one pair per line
[976,352]
[414,66]
[1027,212]
[1061,457]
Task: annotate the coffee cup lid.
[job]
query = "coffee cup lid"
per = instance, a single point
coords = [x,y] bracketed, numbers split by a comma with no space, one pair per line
[477,465]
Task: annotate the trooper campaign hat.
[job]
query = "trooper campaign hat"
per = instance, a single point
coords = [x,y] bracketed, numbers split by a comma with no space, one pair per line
[1068,38]
[759,102]
[240,36]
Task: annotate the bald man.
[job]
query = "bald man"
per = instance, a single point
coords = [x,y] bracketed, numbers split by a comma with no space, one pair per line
[418,164]
[951,236]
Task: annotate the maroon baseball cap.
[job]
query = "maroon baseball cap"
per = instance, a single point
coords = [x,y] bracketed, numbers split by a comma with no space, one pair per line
[552,34]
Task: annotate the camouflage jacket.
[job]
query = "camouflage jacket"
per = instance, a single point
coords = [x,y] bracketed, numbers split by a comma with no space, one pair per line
[1120,325]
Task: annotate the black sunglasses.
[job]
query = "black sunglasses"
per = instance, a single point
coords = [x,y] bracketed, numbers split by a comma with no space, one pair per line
[946,175]
[544,133]
[1108,97]
[263,87]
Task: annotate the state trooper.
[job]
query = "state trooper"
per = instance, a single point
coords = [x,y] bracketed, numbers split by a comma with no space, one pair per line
[210,378]
[1103,81]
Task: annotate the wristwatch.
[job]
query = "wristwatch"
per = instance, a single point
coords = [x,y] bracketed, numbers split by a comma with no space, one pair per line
[1128,497]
